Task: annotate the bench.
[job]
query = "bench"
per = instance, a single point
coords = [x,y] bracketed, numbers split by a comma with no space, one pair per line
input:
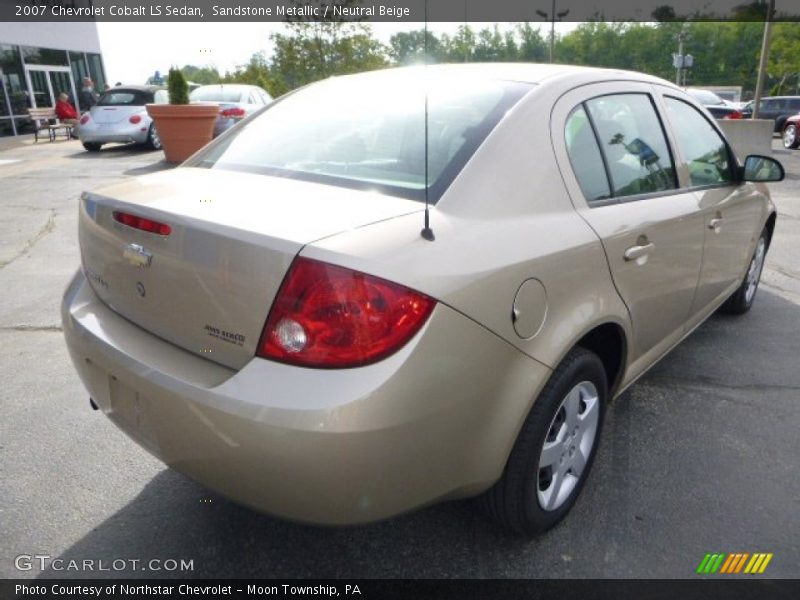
[45,119]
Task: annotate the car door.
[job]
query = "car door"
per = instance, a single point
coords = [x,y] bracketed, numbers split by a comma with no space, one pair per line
[618,167]
[731,213]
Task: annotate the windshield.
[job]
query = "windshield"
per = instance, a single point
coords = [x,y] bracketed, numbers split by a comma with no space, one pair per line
[368,132]
[125,98]
[218,93]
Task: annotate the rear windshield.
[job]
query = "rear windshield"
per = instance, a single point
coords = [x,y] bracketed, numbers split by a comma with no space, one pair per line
[125,98]
[368,132]
[218,93]
[706,97]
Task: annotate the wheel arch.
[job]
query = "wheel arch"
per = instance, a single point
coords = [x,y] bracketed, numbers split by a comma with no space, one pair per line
[609,342]
[770,226]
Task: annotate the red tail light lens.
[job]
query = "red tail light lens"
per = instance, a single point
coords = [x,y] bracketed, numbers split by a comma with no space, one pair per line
[84,119]
[327,316]
[135,119]
[147,225]
[734,115]
[232,113]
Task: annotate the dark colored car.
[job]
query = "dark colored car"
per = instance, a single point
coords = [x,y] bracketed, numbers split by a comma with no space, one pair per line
[779,109]
[791,133]
[718,108]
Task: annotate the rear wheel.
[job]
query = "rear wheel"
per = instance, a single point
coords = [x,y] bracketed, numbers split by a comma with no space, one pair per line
[92,146]
[153,140]
[555,449]
[742,299]
[791,139]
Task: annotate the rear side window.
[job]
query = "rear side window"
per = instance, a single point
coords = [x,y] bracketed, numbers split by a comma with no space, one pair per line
[794,104]
[633,144]
[585,157]
[704,149]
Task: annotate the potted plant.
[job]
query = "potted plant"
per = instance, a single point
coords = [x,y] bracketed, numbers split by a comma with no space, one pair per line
[183,128]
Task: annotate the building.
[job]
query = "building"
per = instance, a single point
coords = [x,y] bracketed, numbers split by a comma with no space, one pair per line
[38,61]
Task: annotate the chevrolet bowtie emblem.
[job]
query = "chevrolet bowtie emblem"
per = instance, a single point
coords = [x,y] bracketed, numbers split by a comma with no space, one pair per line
[137,255]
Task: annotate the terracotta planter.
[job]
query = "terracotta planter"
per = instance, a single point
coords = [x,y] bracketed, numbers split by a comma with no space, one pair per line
[183,128]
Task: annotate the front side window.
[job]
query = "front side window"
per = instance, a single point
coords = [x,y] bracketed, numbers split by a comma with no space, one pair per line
[633,143]
[704,149]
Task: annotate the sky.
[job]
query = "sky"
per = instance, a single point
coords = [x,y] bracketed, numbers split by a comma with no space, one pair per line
[133,51]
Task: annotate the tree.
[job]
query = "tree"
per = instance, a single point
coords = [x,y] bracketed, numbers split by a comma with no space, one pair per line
[408,47]
[314,49]
[784,57]
[202,75]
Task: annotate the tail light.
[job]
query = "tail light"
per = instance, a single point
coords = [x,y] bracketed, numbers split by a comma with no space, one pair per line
[327,316]
[734,115]
[135,119]
[232,113]
[85,119]
[141,223]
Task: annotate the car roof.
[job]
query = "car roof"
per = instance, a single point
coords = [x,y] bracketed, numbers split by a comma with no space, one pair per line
[534,73]
[137,88]
[227,85]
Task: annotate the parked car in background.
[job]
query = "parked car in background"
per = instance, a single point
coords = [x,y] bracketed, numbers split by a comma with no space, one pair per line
[236,101]
[779,109]
[791,133]
[272,319]
[719,108]
[120,116]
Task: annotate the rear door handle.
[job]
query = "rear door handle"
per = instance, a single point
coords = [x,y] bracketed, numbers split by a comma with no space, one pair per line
[635,252]
[715,223]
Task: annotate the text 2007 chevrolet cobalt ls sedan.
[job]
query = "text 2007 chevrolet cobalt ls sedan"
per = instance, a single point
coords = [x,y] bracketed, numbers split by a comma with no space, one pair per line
[271,319]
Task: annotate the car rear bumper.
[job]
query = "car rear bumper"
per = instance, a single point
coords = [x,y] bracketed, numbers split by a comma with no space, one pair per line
[436,420]
[121,135]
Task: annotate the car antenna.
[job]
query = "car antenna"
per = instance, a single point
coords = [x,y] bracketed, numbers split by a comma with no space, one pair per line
[427,232]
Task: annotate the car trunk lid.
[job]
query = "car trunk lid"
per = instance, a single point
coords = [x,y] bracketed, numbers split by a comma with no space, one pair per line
[208,285]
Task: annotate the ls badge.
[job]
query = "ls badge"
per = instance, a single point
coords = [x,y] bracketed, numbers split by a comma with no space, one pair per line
[137,255]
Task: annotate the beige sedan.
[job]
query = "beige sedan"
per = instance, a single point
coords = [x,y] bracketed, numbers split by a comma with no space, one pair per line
[401,287]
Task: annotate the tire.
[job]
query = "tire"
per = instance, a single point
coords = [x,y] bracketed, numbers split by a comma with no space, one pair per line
[525,499]
[791,136]
[92,146]
[742,299]
[153,139]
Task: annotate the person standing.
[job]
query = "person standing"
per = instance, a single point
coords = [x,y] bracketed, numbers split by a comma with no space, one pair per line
[88,95]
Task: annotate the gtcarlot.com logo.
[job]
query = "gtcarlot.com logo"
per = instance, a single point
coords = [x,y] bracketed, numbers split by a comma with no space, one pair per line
[28,562]
[737,562]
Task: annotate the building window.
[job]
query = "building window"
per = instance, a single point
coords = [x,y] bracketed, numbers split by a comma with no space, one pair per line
[14,78]
[96,72]
[44,56]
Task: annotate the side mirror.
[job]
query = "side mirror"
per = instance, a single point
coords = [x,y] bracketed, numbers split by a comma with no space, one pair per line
[762,168]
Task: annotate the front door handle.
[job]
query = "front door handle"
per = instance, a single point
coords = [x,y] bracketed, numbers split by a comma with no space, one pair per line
[635,252]
[715,223]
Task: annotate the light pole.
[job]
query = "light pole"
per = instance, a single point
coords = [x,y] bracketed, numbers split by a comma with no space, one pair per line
[764,58]
[681,61]
[552,17]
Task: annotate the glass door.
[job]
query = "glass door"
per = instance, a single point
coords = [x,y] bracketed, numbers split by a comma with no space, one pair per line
[61,82]
[6,122]
[40,89]
[46,83]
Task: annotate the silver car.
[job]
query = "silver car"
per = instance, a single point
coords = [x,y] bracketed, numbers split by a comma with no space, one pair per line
[400,287]
[120,116]
[236,101]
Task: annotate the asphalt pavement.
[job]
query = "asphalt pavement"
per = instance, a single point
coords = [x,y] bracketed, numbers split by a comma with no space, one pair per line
[701,455]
